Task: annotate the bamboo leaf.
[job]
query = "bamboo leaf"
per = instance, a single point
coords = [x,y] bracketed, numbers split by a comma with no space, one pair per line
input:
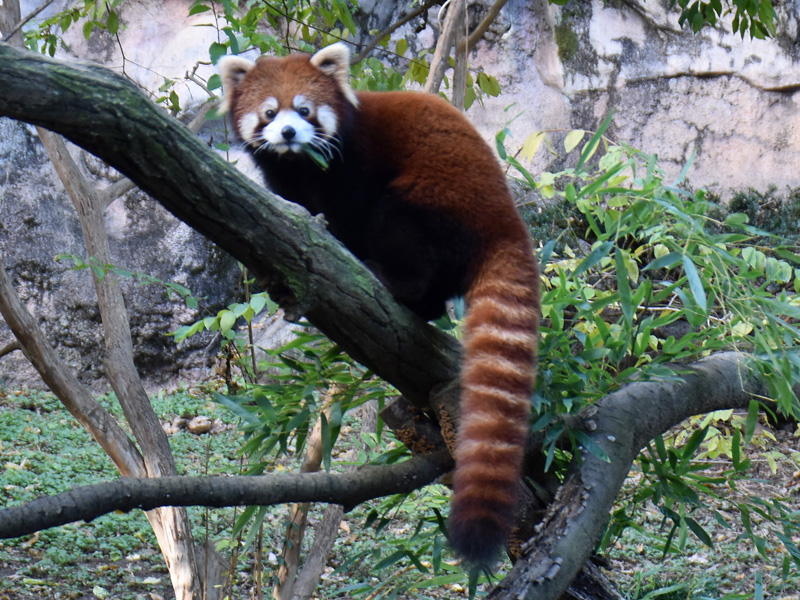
[532,144]
[573,138]
[695,283]
[624,287]
[599,251]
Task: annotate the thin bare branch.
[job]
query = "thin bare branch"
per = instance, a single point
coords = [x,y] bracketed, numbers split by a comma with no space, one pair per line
[476,35]
[27,18]
[116,190]
[391,28]
[447,36]
[9,348]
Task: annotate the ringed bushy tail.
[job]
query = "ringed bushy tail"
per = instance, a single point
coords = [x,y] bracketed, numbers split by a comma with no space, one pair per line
[497,379]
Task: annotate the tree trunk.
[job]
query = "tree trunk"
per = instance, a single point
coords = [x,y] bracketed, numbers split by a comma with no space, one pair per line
[171,525]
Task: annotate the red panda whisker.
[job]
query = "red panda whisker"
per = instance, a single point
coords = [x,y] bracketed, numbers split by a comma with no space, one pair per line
[326,147]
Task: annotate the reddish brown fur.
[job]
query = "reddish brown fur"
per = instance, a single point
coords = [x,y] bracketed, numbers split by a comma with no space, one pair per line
[286,77]
[422,152]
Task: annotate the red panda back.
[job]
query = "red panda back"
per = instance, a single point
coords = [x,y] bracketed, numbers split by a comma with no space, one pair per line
[409,159]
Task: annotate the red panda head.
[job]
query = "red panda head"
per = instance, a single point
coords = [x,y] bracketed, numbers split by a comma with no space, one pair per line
[287,104]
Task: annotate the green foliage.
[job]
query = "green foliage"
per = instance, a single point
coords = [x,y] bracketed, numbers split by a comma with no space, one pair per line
[754,16]
[311,381]
[649,587]
[647,275]
[655,258]
[410,563]
[372,75]
[94,14]
[297,23]
[225,320]
[307,374]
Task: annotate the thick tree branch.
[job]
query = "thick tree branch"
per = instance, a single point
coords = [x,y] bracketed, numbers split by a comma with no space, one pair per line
[125,185]
[625,421]
[300,263]
[348,489]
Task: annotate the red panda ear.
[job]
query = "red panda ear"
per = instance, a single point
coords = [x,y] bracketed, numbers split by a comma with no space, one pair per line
[334,60]
[232,69]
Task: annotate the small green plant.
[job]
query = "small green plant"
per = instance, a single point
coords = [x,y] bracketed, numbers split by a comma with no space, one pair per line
[305,374]
[46,37]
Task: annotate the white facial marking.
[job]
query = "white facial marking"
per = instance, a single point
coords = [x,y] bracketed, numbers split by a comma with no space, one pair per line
[301,102]
[327,119]
[248,126]
[276,133]
[269,104]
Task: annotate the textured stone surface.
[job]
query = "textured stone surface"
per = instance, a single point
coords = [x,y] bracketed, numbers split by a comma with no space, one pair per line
[38,222]
[733,101]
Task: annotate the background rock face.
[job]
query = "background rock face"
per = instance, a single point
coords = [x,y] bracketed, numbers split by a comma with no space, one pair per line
[733,102]
[38,222]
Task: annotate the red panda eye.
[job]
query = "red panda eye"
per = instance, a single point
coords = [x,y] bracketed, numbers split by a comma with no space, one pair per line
[270,114]
[303,112]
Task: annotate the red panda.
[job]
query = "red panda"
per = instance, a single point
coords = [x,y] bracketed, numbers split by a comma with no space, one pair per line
[415,193]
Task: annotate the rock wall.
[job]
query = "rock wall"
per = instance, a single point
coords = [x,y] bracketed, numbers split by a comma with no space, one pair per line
[38,222]
[732,101]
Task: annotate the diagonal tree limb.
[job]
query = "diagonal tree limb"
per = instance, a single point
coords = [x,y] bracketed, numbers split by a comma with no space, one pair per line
[301,264]
[109,194]
[625,422]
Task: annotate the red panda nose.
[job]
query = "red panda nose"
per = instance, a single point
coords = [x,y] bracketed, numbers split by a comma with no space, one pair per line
[288,132]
